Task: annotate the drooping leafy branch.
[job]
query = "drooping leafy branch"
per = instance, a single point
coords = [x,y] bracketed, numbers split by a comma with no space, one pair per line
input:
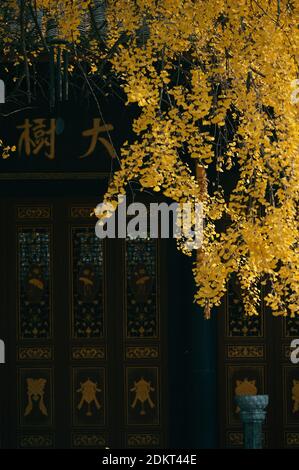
[213,82]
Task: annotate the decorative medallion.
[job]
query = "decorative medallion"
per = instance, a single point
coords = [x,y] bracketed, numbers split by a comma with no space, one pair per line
[89,396]
[143,395]
[36,397]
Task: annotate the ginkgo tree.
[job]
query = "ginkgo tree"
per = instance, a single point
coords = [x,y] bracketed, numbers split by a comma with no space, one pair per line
[213,83]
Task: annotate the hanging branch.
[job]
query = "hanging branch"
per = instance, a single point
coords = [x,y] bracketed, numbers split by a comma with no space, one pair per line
[65,82]
[52,77]
[95,28]
[24,50]
[278,10]
[33,14]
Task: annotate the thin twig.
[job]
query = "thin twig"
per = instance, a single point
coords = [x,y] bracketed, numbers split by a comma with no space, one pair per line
[94,25]
[33,14]
[24,51]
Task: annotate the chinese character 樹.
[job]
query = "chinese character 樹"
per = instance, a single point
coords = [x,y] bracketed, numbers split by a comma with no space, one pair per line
[36,135]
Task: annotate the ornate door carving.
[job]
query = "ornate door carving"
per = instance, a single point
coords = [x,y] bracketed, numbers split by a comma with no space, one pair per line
[85,340]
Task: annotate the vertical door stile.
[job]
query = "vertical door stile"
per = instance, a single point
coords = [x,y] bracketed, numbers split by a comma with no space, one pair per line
[61,275]
[4,329]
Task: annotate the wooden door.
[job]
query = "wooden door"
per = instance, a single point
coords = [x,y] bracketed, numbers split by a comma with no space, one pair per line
[84,327]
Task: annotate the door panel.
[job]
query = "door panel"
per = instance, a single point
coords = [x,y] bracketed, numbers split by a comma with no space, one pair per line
[142,346]
[86,365]
[288,376]
[254,358]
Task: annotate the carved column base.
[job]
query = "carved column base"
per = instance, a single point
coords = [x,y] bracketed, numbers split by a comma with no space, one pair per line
[252,415]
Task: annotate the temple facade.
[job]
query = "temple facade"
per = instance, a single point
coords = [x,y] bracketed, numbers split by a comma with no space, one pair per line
[104,346]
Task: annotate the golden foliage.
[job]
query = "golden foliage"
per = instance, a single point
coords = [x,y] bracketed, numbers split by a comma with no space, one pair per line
[5,150]
[212,80]
[241,59]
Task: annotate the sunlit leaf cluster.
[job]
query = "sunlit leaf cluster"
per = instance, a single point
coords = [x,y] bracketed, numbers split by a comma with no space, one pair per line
[212,80]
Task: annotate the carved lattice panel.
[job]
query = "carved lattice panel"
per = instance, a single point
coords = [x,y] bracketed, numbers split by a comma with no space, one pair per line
[34,282]
[87,285]
[238,325]
[142,316]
